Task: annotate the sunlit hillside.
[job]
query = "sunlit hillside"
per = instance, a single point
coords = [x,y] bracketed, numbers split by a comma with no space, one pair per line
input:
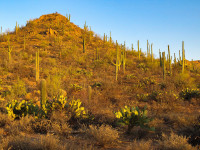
[64,87]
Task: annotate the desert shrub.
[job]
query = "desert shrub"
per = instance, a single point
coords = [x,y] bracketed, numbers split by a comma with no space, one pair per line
[141,145]
[53,85]
[104,135]
[132,116]
[142,66]
[75,87]
[60,129]
[183,81]
[19,88]
[143,97]
[188,94]
[31,143]
[4,120]
[174,142]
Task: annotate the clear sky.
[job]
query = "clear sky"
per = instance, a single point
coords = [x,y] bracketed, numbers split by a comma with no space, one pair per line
[162,22]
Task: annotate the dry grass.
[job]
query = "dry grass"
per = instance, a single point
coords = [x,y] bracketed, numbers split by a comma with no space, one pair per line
[141,145]
[174,142]
[104,135]
[31,143]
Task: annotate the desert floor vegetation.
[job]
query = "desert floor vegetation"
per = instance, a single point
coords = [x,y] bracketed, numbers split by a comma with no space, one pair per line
[64,87]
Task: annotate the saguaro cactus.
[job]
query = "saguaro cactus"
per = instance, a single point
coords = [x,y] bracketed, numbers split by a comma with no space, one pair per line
[132,47]
[69,17]
[124,57]
[43,93]
[110,38]
[118,61]
[138,49]
[9,51]
[37,67]
[160,58]
[1,30]
[16,28]
[163,58]
[151,52]
[147,48]
[183,57]
[169,61]
[175,59]
[97,54]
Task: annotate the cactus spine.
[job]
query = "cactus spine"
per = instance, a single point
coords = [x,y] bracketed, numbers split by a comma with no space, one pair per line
[183,57]
[43,93]
[37,66]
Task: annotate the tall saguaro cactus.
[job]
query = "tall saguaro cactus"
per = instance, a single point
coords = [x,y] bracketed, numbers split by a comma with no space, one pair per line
[174,59]
[160,58]
[138,49]
[151,52]
[163,59]
[169,61]
[183,57]
[110,38]
[43,93]
[124,57]
[9,51]
[147,48]
[118,61]
[37,67]
[97,54]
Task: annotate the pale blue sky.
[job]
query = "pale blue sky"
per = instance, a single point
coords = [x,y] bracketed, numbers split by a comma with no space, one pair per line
[162,22]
